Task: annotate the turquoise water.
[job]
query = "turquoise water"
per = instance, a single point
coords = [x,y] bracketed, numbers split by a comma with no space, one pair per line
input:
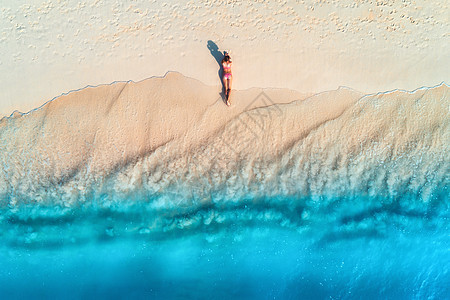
[348,249]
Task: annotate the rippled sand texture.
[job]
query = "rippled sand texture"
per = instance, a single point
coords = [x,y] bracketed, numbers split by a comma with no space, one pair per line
[47,47]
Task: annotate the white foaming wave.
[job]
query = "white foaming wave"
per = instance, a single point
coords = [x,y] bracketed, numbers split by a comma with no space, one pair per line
[341,160]
[171,142]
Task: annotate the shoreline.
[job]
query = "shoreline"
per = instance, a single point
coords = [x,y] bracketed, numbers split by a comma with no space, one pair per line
[17,112]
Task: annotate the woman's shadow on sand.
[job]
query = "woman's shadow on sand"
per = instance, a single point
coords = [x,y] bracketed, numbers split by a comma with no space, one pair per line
[218,56]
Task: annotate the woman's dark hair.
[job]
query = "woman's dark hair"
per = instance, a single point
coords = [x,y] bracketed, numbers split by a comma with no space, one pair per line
[227,57]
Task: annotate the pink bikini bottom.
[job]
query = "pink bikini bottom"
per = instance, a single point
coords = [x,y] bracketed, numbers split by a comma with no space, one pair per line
[227,76]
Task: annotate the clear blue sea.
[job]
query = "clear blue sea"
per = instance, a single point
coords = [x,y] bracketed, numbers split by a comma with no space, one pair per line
[348,250]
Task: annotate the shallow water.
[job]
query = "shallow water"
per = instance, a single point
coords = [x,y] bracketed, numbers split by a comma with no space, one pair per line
[345,251]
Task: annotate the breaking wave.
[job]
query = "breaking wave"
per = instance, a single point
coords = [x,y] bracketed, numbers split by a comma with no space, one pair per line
[164,164]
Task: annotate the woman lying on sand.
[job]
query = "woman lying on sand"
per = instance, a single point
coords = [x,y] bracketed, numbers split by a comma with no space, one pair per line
[227,77]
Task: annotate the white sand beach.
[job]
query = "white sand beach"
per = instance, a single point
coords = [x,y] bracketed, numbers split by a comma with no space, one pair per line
[52,47]
[124,174]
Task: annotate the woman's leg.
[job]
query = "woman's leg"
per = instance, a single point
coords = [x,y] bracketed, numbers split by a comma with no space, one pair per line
[228,90]
[225,85]
[228,87]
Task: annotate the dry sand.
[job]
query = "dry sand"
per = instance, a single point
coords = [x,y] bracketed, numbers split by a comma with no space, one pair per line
[51,47]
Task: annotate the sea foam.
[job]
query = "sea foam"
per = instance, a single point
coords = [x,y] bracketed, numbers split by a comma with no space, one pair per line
[169,155]
[157,188]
